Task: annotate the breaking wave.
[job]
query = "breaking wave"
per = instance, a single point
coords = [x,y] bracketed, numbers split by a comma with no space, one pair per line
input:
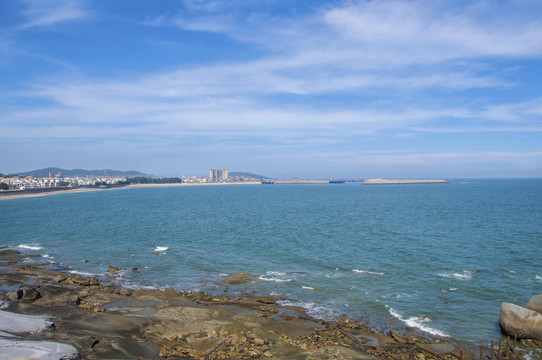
[465,275]
[34,247]
[416,322]
[365,272]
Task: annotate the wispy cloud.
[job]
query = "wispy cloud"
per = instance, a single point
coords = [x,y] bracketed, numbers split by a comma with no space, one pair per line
[51,12]
[341,75]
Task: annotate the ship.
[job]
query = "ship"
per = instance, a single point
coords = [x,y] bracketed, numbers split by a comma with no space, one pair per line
[267,182]
[336,181]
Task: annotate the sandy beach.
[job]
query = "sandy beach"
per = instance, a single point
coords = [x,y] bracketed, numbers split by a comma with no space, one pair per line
[17,194]
[95,318]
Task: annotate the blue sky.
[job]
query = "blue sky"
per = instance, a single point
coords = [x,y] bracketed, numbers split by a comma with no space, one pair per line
[283,88]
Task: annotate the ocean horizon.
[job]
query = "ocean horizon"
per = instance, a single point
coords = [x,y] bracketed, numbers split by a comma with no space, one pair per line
[451,253]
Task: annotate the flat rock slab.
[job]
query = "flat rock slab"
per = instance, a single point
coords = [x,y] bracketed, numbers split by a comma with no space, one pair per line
[19,349]
[17,323]
[338,353]
[439,348]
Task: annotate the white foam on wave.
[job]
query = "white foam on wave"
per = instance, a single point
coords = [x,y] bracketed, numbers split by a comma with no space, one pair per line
[465,275]
[366,272]
[81,273]
[538,277]
[274,279]
[47,256]
[34,247]
[317,310]
[416,322]
[160,248]
[307,287]
[274,276]
[275,273]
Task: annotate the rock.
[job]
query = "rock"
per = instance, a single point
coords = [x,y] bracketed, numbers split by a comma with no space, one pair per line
[31,294]
[398,337]
[241,278]
[439,349]
[93,342]
[19,349]
[112,268]
[421,316]
[19,323]
[535,304]
[232,340]
[259,341]
[521,322]
[15,295]
[203,344]
[337,353]
[9,252]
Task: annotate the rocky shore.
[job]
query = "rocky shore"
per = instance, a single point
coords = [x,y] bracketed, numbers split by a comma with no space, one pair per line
[85,317]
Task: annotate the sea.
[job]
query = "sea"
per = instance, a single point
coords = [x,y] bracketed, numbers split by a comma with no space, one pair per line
[387,254]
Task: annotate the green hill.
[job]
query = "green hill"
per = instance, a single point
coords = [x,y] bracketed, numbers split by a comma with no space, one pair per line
[81,172]
[247,174]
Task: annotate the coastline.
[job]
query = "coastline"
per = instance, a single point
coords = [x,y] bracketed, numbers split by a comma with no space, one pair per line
[105,320]
[52,191]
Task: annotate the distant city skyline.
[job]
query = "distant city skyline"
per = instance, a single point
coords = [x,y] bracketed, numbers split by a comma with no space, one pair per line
[284,88]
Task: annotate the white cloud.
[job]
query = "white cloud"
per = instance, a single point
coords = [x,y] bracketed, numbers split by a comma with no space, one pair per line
[51,12]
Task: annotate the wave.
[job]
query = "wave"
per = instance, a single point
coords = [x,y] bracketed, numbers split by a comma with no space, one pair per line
[307,287]
[416,322]
[276,273]
[160,248]
[538,277]
[317,310]
[365,272]
[75,272]
[34,247]
[465,275]
[274,279]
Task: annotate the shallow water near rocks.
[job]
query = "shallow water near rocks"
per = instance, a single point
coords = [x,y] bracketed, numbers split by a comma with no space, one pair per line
[453,252]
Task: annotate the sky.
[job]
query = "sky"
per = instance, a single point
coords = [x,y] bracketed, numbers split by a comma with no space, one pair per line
[281,88]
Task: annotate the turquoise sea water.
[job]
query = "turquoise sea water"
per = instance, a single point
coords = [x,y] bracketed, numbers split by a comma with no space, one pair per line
[453,252]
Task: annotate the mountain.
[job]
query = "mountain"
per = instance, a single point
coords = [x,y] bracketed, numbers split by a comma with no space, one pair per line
[247,174]
[81,172]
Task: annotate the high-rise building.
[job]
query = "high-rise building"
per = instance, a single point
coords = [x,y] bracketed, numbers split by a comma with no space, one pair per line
[219,174]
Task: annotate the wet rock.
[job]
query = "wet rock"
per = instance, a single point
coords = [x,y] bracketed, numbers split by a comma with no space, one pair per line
[15,295]
[241,278]
[8,252]
[112,269]
[535,304]
[31,294]
[521,322]
[93,342]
